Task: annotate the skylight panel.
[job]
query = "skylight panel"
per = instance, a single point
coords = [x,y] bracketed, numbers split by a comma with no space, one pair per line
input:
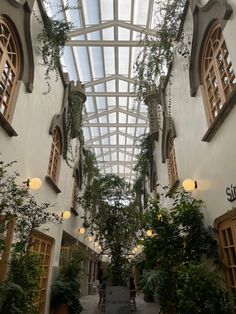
[101,103]
[140,12]
[111,101]
[107,158]
[121,157]
[114,156]
[96,61]
[114,169]
[107,11]
[112,117]
[131,131]
[105,141]
[121,169]
[99,87]
[98,151]
[123,33]
[86,134]
[113,140]
[140,131]
[109,60]
[108,170]
[121,140]
[124,10]
[123,130]
[129,141]
[122,117]
[73,15]
[103,119]
[94,35]
[95,120]
[123,102]
[91,11]
[112,129]
[123,60]
[104,130]
[89,105]
[111,87]
[108,33]
[81,57]
[127,170]
[131,119]
[68,63]
[94,132]
[128,158]
[123,86]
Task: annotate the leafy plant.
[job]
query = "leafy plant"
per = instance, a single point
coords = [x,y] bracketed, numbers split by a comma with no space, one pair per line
[175,254]
[158,49]
[66,288]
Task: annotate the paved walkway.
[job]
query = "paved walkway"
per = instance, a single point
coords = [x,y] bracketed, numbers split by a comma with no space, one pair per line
[90,305]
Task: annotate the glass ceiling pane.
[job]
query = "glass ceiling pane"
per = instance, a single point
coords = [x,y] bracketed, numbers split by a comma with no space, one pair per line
[111,87]
[94,132]
[114,156]
[105,141]
[123,60]
[112,117]
[91,11]
[128,158]
[86,134]
[103,130]
[131,119]
[81,57]
[109,59]
[121,169]
[124,10]
[113,140]
[111,101]
[94,35]
[107,158]
[97,151]
[108,33]
[123,33]
[122,117]
[101,103]
[131,131]
[107,10]
[123,102]
[103,119]
[121,157]
[97,67]
[140,12]
[89,105]
[99,87]
[123,86]
[121,140]
[68,63]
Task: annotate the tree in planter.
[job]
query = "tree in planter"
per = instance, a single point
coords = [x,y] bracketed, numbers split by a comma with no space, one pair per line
[174,257]
[20,289]
[66,288]
[113,219]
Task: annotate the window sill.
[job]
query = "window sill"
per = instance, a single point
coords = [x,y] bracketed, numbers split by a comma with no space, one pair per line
[6,126]
[173,187]
[53,184]
[74,211]
[225,110]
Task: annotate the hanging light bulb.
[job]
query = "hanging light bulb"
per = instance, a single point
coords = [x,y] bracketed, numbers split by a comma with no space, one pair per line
[90,238]
[35,183]
[149,232]
[66,214]
[81,230]
[189,185]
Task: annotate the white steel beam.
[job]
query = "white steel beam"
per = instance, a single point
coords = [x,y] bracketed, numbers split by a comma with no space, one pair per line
[104,43]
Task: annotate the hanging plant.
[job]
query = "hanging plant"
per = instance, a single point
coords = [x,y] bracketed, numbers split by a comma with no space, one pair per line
[158,50]
[52,40]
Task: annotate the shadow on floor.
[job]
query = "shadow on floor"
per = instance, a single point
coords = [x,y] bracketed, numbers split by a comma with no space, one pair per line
[90,305]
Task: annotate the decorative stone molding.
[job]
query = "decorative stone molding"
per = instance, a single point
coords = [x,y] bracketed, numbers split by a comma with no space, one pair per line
[203,17]
[18,13]
[151,100]
[168,127]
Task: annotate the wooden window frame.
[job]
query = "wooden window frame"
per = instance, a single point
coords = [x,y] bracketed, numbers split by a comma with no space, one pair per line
[218,76]
[171,163]
[10,56]
[55,156]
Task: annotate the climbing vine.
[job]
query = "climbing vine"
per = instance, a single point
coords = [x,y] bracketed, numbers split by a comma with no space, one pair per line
[158,49]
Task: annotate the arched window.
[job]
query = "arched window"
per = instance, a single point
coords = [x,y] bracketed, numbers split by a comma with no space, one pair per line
[9,67]
[54,161]
[171,162]
[217,72]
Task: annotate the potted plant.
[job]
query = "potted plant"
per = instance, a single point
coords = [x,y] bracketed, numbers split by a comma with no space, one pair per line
[65,296]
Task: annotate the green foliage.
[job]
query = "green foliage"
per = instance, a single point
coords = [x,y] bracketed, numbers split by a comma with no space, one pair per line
[113,218]
[158,49]
[91,170]
[175,254]
[66,288]
[19,291]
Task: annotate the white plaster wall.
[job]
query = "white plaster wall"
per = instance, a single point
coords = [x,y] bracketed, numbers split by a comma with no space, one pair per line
[212,164]
[31,120]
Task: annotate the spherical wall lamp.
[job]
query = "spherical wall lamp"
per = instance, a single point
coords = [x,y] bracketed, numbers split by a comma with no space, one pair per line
[35,183]
[81,230]
[149,233]
[66,214]
[90,238]
[189,185]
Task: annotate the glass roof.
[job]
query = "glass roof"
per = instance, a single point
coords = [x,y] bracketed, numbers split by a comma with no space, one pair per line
[100,53]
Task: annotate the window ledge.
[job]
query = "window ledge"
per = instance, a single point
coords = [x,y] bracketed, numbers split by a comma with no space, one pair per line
[173,187]
[53,184]
[6,126]
[74,211]
[225,110]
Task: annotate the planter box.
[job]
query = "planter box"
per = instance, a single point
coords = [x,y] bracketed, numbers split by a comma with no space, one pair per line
[117,300]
